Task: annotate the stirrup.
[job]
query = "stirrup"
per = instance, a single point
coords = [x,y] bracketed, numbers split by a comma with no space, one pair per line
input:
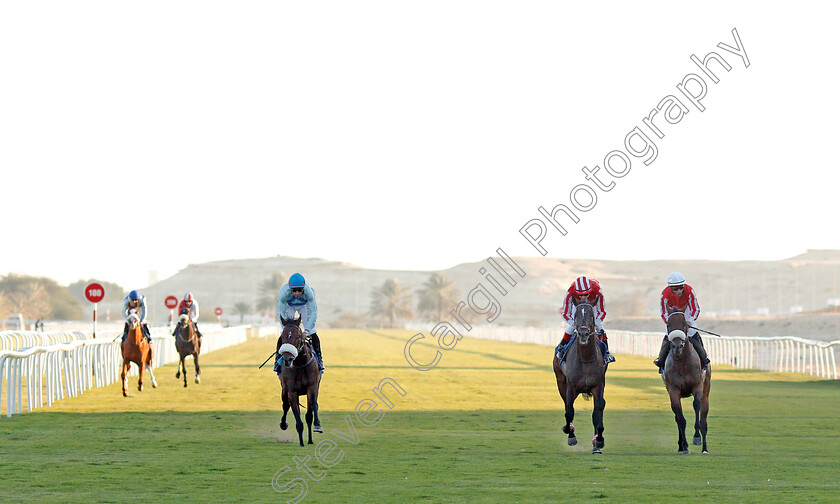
[608,358]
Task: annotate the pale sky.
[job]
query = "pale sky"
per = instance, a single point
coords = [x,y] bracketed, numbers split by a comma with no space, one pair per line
[152,135]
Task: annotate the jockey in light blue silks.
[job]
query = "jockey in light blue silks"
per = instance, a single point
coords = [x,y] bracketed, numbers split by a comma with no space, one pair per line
[136,302]
[297,296]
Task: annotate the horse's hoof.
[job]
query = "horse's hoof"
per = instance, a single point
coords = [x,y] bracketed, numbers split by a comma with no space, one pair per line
[197,380]
[697,441]
[177,375]
[706,451]
[125,394]
[185,384]
[572,441]
[568,429]
[154,384]
[318,428]
[284,425]
[596,450]
[684,452]
[140,388]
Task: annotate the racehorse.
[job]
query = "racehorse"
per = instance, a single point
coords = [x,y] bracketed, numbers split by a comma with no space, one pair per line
[583,372]
[298,376]
[187,344]
[683,377]
[136,349]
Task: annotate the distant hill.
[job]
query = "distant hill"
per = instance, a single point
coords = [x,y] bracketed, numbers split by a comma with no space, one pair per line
[726,288]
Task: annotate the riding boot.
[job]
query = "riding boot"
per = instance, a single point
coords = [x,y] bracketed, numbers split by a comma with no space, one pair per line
[316,345]
[125,333]
[608,357]
[147,333]
[561,348]
[602,337]
[198,333]
[663,354]
[701,352]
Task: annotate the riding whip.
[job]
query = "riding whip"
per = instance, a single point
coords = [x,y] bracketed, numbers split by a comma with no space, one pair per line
[707,332]
[266,361]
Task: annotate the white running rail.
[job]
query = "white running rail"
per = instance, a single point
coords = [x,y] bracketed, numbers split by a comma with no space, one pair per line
[780,354]
[66,365]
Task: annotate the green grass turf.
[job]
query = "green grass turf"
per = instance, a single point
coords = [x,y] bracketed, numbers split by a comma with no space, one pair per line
[482,426]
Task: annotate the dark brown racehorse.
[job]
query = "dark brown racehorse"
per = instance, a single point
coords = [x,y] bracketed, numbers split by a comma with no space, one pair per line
[583,372]
[683,377]
[136,349]
[187,344]
[298,376]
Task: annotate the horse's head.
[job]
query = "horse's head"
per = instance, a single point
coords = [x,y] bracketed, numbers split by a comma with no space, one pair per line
[677,338]
[292,342]
[133,319]
[676,320]
[584,322]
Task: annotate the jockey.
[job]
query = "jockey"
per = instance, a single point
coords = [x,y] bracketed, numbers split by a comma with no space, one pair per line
[681,296]
[585,290]
[297,296]
[191,305]
[136,301]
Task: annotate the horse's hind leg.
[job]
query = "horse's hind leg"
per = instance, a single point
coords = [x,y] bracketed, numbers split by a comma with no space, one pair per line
[151,373]
[180,364]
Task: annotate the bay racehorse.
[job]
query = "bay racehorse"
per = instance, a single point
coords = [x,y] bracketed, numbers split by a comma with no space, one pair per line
[186,342]
[298,374]
[136,349]
[683,377]
[583,371]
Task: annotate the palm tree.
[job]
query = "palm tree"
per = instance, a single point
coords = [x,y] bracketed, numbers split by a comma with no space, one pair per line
[436,296]
[241,309]
[268,290]
[391,301]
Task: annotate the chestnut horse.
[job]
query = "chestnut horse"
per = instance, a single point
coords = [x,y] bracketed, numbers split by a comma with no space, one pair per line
[136,349]
[187,344]
[583,372]
[683,377]
[298,374]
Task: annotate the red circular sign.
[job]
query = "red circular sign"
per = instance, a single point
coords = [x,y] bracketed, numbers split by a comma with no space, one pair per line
[171,302]
[218,311]
[94,292]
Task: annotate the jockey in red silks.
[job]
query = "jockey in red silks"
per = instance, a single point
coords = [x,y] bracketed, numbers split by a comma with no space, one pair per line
[680,295]
[585,290]
[189,304]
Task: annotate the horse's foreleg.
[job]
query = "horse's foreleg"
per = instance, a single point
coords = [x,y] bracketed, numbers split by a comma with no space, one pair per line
[676,407]
[598,420]
[178,372]
[696,404]
[197,368]
[569,428]
[141,367]
[151,373]
[312,404]
[283,424]
[294,401]
[704,412]
[126,366]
